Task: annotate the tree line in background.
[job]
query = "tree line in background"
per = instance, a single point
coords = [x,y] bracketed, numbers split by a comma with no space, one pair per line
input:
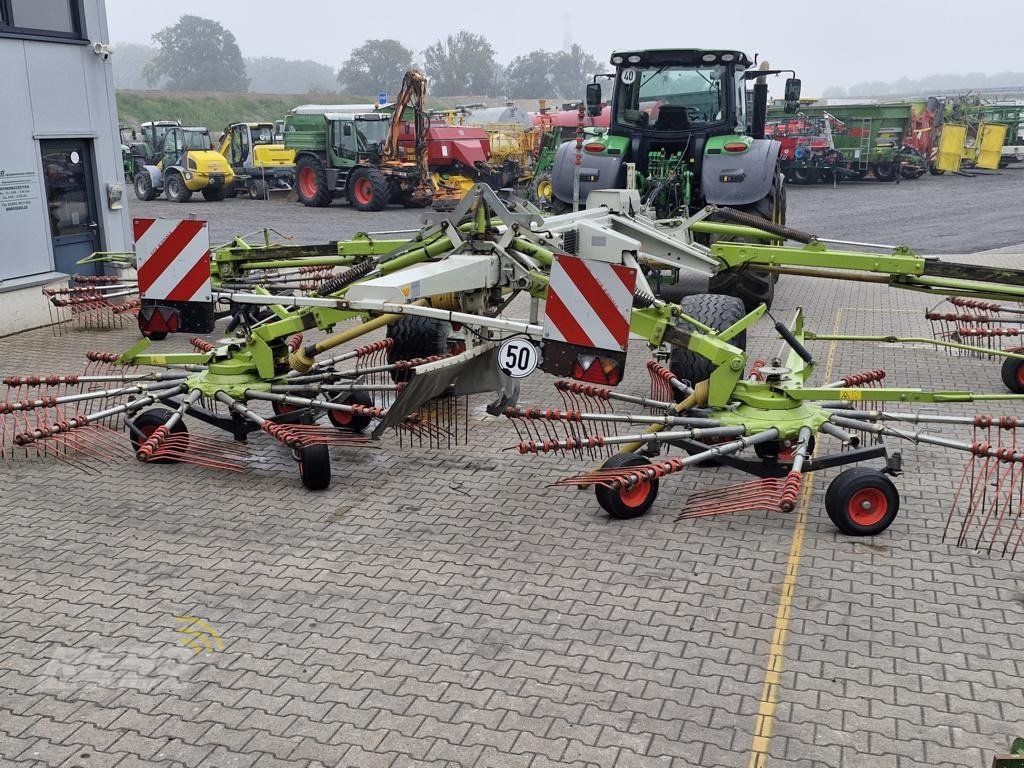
[926,85]
[198,54]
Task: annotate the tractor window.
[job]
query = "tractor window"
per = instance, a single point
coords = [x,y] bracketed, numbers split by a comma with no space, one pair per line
[370,133]
[197,140]
[672,98]
[264,134]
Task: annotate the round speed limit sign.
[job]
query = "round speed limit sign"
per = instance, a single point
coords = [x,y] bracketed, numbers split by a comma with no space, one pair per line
[628,76]
[518,358]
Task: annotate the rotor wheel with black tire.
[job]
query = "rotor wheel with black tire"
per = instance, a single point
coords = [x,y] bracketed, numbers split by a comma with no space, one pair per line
[352,422]
[862,501]
[147,423]
[144,186]
[311,182]
[715,311]
[213,194]
[315,467]
[802,175]
[414,337]
[884,170]
[628,501]
[753,286]
[175,189]
[256,189]
[1012,372]
[368,189]
[935,171]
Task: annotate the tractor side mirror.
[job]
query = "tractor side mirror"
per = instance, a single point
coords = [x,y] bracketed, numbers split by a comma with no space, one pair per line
[792,95]
[594,99]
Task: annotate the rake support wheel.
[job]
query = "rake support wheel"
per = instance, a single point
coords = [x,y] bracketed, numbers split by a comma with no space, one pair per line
[862,501]
[147,423]
[627,502]
[352,422]
[1012,373]
[315,467]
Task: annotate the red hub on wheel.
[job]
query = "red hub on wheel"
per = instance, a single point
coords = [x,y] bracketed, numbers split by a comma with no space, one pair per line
[363,191]
[307,182]
[635,496]
[868,506]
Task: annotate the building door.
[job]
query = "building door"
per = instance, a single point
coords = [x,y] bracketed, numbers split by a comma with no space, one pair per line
[70,184]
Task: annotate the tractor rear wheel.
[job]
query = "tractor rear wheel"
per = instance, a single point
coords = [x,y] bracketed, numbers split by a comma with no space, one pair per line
[627,502]
[862,501]
[715,311]
[414,337]
[144,186]
[368,189]
[311,182]
[175,189]
[753,286]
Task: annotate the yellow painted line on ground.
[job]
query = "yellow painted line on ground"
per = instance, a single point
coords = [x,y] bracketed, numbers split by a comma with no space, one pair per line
[776,653]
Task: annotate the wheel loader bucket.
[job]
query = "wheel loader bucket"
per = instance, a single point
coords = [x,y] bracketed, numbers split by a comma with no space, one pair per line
[951,147]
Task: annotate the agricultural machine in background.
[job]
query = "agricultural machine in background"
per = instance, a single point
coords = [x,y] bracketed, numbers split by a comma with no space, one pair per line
[356,155]
[679,118]
[710,402]
[185,163]
[260,163]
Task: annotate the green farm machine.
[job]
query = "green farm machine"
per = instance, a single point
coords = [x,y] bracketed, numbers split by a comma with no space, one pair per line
[291,355]
[356,156]
[679,121]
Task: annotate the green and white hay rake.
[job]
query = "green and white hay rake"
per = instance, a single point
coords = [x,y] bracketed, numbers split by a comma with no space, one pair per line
[461,271]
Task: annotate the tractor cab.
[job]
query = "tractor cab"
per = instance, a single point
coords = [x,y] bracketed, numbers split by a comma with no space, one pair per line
[357,138]
[261,164]
[681,117]
[179,141]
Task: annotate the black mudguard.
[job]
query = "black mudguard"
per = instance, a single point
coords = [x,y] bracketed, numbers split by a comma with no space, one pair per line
[596,172]
[731,179]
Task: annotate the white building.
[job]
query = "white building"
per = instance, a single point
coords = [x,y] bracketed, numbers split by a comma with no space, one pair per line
[61,175]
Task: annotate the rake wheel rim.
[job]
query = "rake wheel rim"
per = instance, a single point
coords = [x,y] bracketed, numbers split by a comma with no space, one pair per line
[635,495]
[868,506]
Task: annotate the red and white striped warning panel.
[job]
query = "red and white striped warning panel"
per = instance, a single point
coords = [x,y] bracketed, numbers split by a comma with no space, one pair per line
[589,303]
[173,259]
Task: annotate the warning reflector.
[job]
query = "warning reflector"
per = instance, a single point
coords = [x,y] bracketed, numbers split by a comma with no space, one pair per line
[173,259]
[589,303]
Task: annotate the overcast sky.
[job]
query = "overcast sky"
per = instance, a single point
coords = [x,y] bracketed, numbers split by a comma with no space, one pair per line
[828,43]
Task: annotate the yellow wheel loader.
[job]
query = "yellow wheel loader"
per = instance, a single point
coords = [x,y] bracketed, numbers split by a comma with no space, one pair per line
[188,164]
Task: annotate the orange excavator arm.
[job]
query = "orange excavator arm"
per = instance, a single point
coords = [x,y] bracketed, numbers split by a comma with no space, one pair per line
[412,93]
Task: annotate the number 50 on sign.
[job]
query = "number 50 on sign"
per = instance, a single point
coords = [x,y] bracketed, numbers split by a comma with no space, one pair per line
[518,358]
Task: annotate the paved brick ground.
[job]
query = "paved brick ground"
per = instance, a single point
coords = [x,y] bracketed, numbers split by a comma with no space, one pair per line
[448,609]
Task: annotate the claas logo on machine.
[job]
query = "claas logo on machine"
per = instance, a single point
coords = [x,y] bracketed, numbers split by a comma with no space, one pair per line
[586,319]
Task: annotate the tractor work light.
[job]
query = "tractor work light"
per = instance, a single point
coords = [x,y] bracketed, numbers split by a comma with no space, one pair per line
[727,57]
[634,59]
[709,58]
[617,59]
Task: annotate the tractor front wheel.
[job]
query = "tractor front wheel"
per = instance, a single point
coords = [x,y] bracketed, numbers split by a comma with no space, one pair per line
[862,502]
[311,182]
[315,467]
[627,501]
[753,286]
[368,189]
[715,311]
[413,337]
[174,187]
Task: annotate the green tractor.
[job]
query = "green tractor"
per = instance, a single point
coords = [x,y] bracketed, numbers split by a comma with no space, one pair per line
[680,117]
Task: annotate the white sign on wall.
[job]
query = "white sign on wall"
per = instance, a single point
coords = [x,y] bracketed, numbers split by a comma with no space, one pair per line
[18,190]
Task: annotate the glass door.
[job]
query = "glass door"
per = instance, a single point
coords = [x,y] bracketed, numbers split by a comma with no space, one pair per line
[69,181]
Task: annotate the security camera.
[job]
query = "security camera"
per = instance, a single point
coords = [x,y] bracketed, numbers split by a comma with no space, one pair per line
[103,50]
